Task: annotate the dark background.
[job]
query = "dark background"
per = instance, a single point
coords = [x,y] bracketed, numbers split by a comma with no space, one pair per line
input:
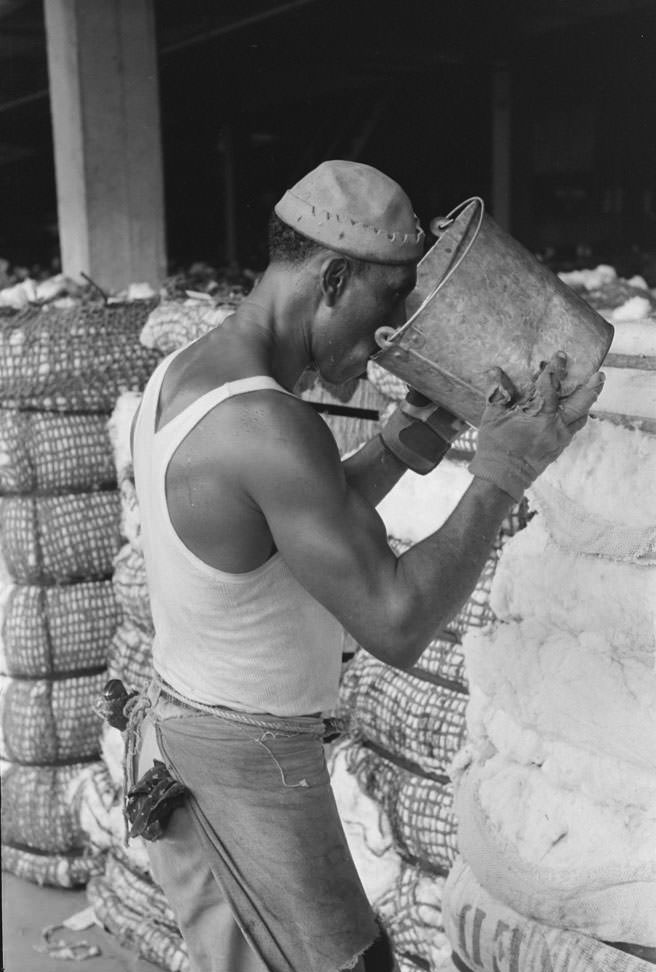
[279,86]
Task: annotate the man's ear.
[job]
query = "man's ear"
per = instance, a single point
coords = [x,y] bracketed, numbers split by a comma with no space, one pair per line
[335,272]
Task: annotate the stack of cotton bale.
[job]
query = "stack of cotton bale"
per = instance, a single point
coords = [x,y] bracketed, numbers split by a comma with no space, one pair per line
[403,735]
[125,898]
[391,771]
[61,372]
[556,788]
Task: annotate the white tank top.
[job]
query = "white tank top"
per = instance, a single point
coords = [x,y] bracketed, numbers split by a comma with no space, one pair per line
[257,641]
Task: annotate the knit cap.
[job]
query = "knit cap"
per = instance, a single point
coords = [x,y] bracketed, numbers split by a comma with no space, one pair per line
[354,209]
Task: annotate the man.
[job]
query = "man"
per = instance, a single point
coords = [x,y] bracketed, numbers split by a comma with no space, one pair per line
[262,547]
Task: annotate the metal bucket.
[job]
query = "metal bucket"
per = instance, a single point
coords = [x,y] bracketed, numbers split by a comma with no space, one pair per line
[483,300]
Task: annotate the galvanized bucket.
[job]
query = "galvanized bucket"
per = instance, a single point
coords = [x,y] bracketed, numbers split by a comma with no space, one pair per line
[483,300]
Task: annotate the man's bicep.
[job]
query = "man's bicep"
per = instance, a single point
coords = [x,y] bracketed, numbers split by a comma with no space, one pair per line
[332,540]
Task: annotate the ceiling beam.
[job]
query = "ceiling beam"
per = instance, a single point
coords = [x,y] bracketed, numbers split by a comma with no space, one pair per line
[231,26]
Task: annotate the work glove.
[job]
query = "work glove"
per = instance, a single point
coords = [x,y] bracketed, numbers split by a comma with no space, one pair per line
[151,801]
[419,432]
[518,439]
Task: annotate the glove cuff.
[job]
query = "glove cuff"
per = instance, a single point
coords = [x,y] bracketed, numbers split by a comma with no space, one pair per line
[510,473]
[413,442]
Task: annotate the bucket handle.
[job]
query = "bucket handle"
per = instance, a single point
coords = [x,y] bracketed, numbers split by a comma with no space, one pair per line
[385,334]
[443,224]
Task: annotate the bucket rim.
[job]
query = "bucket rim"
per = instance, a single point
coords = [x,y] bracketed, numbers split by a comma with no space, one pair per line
[451,216]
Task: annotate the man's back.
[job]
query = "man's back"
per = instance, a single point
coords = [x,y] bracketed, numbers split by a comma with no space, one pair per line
[207,504]
[250,638]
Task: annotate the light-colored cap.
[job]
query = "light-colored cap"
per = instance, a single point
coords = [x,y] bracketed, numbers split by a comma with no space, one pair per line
[354,209]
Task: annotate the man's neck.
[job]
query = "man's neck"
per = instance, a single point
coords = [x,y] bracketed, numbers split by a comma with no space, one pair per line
[276,316]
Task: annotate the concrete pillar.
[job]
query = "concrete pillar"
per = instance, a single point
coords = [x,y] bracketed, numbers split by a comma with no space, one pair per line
[102,62]
[501,142]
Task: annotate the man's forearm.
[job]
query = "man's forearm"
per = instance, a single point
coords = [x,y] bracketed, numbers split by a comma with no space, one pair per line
[373,471]
[443,569]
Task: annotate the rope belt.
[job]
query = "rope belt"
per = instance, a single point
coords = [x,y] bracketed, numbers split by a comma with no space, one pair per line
[298,724]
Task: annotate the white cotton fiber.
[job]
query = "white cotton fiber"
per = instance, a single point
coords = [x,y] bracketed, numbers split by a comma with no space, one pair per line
[556,791]
[19,295]
[609,472]
[419,505]
[556,856]
[112,747]
[556,798]
[173,324]
[634,309]
[590,279]
[537,579]
[367,830]
[119,426]
[100,807]
[551,826]
[561,686]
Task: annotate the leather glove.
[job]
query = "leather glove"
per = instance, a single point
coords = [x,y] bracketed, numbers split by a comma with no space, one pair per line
[420,432]
[518,440]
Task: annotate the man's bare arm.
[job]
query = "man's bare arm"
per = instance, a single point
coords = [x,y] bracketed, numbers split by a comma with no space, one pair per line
[373,471]
[336,544]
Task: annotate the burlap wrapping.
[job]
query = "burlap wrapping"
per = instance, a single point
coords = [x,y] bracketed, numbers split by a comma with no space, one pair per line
[135,910]
[174,323]
[112,745]
[71,870]
[613,900]
[418,720]
[444,659]
[98,799]
[393,388]
[45,721]
[130,515]
[57,539]
[131,588]
[490,937]
[466,443]
[44,452]
[77,360]
[119,427]
[475,612]
[37,812]
[411,913]
[130,656]
[419,808]
[408,726]
[577,530]
[51,630]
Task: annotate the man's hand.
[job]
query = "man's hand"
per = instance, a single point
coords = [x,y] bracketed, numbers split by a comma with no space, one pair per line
[518,440]
[420,432]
